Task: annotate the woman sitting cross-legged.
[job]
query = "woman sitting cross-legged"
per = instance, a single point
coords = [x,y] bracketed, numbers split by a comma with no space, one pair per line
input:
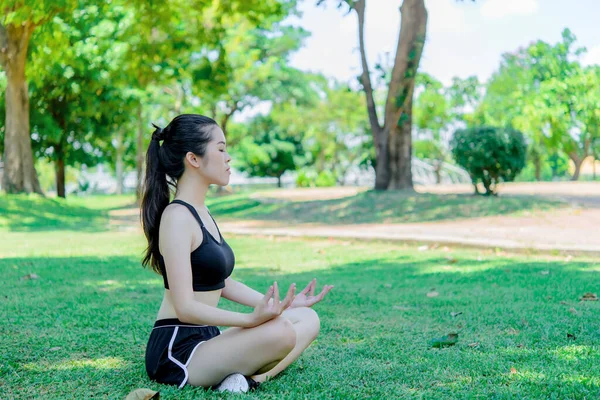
[186,247]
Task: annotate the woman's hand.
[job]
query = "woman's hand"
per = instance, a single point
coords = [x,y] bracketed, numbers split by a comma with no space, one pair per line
[306,298]
[270,306]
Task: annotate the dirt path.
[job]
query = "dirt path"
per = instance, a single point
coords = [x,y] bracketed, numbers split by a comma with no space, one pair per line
[575,228]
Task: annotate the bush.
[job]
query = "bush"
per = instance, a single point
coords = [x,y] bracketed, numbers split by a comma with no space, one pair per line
[490,155]
[305,179]
[325,179]
[310,178]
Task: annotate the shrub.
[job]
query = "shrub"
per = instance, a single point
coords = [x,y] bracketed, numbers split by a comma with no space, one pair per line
[490,155]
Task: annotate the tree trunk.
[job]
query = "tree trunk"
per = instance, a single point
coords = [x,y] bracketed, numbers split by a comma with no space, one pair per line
[380,135]
[577,161]
[438,171]
[139,158]
[398,108]
[19,171]
[400,144]
[538,168]
[59,166]
[279,181]
[382,164]
[594,166]
[119,164]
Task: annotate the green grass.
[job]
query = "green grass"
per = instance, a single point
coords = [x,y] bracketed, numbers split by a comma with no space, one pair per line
[377,207]
[80,329]
[26,213]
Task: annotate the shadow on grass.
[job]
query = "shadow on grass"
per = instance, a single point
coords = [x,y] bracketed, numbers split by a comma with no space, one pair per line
[22,213]
[379,207]
[376,325]
[30,213]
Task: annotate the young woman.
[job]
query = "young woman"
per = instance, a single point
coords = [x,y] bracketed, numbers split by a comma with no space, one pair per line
[186,247]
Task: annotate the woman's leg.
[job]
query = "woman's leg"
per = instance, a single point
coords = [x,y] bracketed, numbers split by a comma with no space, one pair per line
[306,325]
[241,350]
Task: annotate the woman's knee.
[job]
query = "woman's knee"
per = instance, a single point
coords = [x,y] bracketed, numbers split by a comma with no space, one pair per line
[281,334]
[311,319]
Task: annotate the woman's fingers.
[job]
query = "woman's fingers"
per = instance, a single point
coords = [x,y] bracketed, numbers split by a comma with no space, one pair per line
[289,297]
[268,295]
[307,288]
[320,296]
[275,294]
[313,284]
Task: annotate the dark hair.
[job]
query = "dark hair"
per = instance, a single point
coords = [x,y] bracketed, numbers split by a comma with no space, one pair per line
[185,133]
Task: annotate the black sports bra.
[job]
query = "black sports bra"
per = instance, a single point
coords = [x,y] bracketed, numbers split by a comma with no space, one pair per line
[212,261]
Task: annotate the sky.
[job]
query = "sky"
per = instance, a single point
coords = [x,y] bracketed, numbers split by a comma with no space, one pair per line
[464,38]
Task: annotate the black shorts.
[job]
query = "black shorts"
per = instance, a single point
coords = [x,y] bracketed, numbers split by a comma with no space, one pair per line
[170,348]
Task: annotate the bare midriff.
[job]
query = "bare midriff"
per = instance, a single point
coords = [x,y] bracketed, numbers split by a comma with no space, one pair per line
[167,310]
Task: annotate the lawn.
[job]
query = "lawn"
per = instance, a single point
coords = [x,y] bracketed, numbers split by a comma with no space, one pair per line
[79,329]
[382,207]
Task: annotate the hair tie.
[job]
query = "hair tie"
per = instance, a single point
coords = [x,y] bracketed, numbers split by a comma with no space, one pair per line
[158,133]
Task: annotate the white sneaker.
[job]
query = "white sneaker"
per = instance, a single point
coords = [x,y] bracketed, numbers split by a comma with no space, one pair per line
[234,383]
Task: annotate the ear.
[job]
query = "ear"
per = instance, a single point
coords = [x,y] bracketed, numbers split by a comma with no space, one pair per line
[192,159]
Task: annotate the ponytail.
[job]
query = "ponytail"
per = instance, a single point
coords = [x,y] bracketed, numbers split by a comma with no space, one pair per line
[185,133]
[155,199]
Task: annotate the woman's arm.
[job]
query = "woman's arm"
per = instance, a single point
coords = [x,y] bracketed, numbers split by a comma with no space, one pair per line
[240,293]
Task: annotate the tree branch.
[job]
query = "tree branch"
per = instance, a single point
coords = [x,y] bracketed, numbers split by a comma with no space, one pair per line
[359,7]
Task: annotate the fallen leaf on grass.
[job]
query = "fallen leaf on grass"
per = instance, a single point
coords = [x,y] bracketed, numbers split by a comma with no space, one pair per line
[29,276]
[573,311]
[423,248]
[513,370]
[451,260]
[474,344]
[564,302]
[55,349]
[433,293]
[401,308]
[387,285]
[444,341]
[143,394]
[589,297]
[455,314]
[545,272]
[570,336]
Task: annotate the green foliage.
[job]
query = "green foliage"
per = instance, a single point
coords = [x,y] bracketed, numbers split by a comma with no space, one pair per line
[428,150]
[270,152]
[431,111]
[325,179]
[544,91]
[490,155]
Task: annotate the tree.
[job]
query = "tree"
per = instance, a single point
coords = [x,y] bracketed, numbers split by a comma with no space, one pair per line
[393,139]
[251,66]
[270,152]
[77,102]
[17,24]
[543,91]
[166,39]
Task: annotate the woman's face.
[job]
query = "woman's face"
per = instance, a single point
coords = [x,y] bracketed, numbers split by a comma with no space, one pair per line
[214,165]
[216,159]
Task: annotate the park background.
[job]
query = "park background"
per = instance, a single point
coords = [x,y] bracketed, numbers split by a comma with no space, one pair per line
[357,132]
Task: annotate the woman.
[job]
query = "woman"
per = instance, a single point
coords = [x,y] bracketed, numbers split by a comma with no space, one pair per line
[185,246]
